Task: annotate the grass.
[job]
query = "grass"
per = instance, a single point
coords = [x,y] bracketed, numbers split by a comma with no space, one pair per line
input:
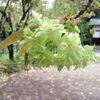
[9,67]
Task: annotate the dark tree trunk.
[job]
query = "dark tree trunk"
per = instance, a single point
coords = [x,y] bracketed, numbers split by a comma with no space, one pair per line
[10,48]
[11,52]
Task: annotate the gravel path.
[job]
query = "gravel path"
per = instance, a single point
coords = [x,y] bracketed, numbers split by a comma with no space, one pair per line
[49,84]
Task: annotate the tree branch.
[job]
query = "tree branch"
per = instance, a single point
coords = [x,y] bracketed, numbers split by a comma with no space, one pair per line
[7,4]
[3,12]
[83,10]
[25,12]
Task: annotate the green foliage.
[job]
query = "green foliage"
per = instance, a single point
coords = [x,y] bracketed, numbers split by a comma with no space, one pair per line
[62,7]
[3,58]
[35,19]
[66,7]
[85,33]
[48,47]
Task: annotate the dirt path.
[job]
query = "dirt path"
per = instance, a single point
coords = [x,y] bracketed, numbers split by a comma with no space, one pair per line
[49,84]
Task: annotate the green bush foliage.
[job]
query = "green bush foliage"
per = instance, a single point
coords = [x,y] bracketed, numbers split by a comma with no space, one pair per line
[46,46]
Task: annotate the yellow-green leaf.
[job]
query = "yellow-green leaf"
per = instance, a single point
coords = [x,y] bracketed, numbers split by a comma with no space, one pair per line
[12,39]
[23,46]
[15,36]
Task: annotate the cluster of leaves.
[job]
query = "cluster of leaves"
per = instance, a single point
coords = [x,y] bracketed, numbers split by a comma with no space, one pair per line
[52,45]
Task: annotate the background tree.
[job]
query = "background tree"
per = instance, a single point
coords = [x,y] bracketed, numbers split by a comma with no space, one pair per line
[13,14]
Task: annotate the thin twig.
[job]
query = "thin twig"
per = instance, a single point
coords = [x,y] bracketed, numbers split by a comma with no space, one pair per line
[83,10]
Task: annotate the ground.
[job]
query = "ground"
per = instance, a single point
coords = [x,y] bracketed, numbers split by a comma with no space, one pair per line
[49,84]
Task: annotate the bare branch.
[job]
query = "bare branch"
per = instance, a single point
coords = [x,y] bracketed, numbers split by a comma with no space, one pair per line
[25,11]
[83,10]
[7,4]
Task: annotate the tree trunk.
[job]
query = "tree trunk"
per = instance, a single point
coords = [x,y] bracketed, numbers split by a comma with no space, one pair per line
[11,52]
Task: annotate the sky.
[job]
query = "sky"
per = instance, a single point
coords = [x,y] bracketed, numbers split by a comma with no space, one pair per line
[49,4]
